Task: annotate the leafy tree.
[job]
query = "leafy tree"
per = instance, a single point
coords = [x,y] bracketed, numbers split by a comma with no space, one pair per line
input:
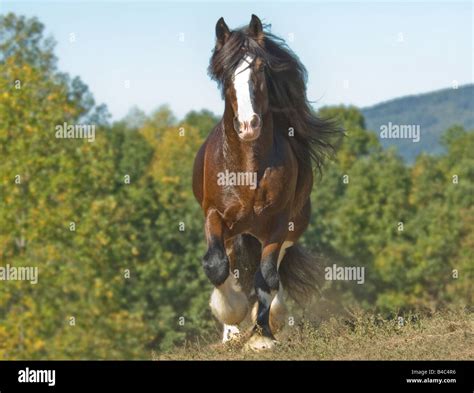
[57,213]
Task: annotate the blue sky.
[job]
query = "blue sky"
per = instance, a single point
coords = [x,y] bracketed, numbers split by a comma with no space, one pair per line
[357,53]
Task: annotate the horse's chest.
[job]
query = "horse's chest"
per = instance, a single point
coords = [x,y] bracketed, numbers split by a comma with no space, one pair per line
[249,202]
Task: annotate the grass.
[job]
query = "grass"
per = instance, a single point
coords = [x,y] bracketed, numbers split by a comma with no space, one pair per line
[443,335]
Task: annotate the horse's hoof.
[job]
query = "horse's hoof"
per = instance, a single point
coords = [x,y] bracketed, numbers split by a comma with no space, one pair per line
[259,343]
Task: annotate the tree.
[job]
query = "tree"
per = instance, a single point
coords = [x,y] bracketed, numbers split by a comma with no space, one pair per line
[58,213]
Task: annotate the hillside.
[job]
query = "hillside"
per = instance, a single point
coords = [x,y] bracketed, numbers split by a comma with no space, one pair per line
[434,112]
[446,335]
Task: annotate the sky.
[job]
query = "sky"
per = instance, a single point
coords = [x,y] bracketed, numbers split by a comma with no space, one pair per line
[150,53]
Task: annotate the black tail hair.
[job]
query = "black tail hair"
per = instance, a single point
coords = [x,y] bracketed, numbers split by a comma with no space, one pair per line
[301,274]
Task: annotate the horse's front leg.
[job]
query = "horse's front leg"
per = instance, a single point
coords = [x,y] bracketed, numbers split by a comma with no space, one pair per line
[267,284]
[228,303]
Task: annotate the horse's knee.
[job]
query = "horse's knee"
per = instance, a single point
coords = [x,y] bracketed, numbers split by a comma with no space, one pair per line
[216,265]
[228,303]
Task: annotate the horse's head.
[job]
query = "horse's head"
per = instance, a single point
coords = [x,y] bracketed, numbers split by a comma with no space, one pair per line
[238,64]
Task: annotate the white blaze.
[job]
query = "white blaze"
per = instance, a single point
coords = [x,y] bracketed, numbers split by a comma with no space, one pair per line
[243,89]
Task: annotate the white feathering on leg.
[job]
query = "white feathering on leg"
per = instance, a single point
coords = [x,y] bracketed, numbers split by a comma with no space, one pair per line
[278,308]
[228,303]
[230,332]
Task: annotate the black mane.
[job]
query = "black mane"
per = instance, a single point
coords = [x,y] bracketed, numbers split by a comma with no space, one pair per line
[286,81]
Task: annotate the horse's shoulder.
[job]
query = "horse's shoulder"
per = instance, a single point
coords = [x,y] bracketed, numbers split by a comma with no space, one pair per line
[198,167]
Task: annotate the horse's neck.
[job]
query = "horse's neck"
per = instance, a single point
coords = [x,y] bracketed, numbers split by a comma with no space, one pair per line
[247,156]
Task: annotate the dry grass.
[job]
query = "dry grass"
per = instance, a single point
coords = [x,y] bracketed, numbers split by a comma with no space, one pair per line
[446,335]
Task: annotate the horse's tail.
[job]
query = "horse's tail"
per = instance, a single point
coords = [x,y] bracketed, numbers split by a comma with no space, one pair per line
[301,274]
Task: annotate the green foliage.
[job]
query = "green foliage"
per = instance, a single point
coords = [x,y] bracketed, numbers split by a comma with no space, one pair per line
[203,120]
[356,223]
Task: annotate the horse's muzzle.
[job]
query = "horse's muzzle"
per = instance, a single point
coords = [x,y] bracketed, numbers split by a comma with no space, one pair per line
[248,130]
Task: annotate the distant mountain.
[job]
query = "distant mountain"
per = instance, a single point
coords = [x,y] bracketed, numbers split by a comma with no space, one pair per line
[433,112]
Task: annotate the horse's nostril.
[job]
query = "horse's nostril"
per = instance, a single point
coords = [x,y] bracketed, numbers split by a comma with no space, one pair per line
[255,121]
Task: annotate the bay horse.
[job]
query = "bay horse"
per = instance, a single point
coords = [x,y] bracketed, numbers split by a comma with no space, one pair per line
[269,134]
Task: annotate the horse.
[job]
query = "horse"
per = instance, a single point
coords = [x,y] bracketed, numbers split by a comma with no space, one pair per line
[253,177]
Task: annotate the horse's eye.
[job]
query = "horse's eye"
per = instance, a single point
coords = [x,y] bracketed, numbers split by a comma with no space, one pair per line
[261,68]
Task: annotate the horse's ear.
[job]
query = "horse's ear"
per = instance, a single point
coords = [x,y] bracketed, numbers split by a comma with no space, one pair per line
[256,29]
[222,33]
